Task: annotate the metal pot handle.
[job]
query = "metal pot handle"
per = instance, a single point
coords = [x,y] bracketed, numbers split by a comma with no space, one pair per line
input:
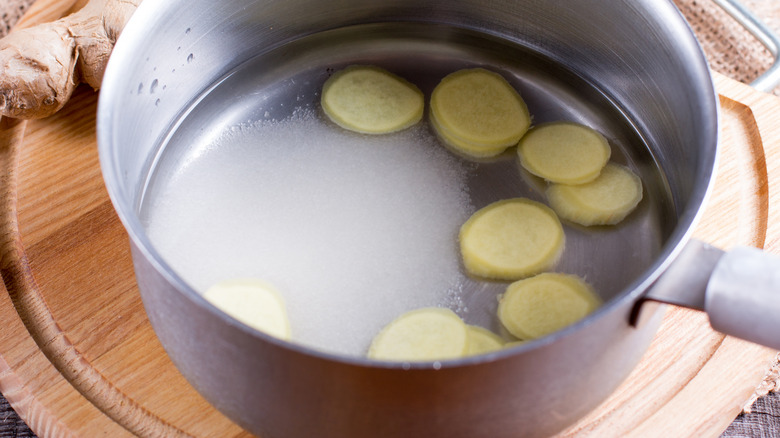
[739,290]
[743,296]
[771,78]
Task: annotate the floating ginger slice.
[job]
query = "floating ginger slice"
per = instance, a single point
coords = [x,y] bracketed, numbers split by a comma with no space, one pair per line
[540,305]
[371,100]
[430,333]
[461,147]
[606,200]
[252,302]
[482,340]
[511,239]
[564,152]
[478,113]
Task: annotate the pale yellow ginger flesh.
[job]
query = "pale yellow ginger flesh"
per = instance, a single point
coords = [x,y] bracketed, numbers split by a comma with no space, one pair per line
[482,340]
[606,200]
[511,239]
[427,334]
[511,344]
[252,302]
[371,100]
[478,113]
[540,305]
[564,152]
[461,147]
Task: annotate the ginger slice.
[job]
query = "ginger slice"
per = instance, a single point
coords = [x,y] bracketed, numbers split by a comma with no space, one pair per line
[540,305]
[511,239]
[430,333]
[371,100]
[252,302]
[606,200]
[482,340]
[564,152]
[511,344]
[477,112]
[464,148]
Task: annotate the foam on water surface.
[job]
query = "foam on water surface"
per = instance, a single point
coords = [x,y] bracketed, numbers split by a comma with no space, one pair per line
[352,229]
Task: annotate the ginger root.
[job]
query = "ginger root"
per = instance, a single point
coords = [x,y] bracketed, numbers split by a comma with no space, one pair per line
[40,66]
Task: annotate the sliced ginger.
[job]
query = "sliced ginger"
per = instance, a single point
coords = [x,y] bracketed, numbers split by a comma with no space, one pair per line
[511,344]
[252,302]
[430,333]
[371,100]
[564,152]
[462,147]
[482,340]
[540,305]
[478,113]
[511,239]
[606,200]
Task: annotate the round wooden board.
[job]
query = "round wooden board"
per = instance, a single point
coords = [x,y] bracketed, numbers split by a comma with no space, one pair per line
[79,358]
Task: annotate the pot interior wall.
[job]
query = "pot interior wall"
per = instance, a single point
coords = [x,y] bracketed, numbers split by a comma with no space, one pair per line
[652,70]
[247,159]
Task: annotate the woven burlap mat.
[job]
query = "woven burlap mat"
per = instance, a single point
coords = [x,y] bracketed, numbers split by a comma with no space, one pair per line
[730,48]
[732,51]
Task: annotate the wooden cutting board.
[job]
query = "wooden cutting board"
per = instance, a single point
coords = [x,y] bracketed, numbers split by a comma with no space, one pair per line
[79,358]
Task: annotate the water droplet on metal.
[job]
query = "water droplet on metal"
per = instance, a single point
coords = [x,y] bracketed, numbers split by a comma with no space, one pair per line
[187,31]
[153,87]
[189,58]
[156,102]
[140,87]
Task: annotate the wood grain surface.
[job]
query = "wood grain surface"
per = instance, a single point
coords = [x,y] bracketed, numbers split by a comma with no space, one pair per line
[79,358]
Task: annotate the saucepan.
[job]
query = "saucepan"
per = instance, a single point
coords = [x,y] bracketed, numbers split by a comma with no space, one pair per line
[187,77]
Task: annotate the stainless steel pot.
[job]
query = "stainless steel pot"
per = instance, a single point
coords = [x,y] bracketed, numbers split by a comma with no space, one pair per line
[635,59]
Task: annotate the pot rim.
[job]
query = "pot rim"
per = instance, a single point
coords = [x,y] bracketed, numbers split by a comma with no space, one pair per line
[123,56]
